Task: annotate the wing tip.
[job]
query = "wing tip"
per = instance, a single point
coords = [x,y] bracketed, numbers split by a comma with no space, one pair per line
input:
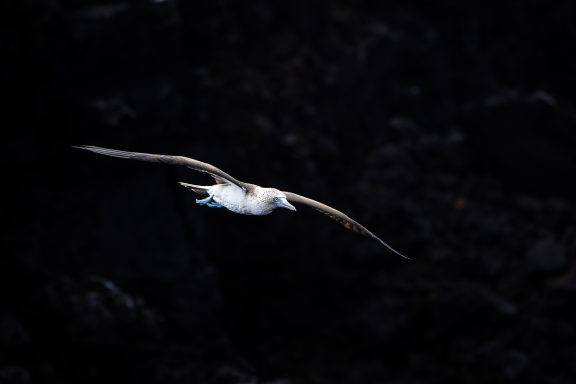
[86,147]
[403,256]
[105,151]
[392,249]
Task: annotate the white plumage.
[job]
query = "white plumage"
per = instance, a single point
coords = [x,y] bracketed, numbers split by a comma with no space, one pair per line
[254,200]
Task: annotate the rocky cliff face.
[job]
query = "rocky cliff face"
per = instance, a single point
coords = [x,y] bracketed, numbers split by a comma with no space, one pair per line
[448,130]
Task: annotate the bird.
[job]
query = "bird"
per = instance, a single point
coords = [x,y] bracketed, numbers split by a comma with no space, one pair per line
[240,197]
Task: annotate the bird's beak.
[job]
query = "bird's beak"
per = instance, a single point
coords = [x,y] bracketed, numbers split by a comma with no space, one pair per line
[285,204]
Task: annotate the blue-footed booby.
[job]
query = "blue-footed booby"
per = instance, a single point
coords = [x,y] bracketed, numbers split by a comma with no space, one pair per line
[240,197]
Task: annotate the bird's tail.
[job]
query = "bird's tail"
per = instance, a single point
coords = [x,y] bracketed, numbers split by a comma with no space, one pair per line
[200,189]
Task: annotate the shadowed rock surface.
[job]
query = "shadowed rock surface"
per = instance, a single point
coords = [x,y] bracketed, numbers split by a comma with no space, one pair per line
[448,130]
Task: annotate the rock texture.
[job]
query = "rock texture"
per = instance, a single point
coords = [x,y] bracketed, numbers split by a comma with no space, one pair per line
[447,128]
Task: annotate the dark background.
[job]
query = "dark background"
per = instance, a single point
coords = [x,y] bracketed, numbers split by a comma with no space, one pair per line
[447,128]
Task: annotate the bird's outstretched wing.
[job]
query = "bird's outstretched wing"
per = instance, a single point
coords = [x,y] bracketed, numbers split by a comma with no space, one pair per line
[339,217]
[219,175]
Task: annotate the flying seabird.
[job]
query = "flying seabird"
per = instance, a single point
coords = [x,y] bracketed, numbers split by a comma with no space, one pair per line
[237,196]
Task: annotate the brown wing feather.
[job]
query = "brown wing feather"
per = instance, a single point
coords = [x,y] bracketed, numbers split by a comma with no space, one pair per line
[218,175]
[340,217]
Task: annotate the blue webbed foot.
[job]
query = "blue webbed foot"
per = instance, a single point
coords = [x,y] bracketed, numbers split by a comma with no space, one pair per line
[207,200]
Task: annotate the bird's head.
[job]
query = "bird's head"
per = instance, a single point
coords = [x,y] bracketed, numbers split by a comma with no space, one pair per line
[279,200]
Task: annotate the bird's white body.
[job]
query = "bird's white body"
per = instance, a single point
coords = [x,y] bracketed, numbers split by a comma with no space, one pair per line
[251,202]
[249,199]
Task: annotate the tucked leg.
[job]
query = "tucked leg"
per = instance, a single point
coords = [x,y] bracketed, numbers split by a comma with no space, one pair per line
[205,201]
[209,201]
